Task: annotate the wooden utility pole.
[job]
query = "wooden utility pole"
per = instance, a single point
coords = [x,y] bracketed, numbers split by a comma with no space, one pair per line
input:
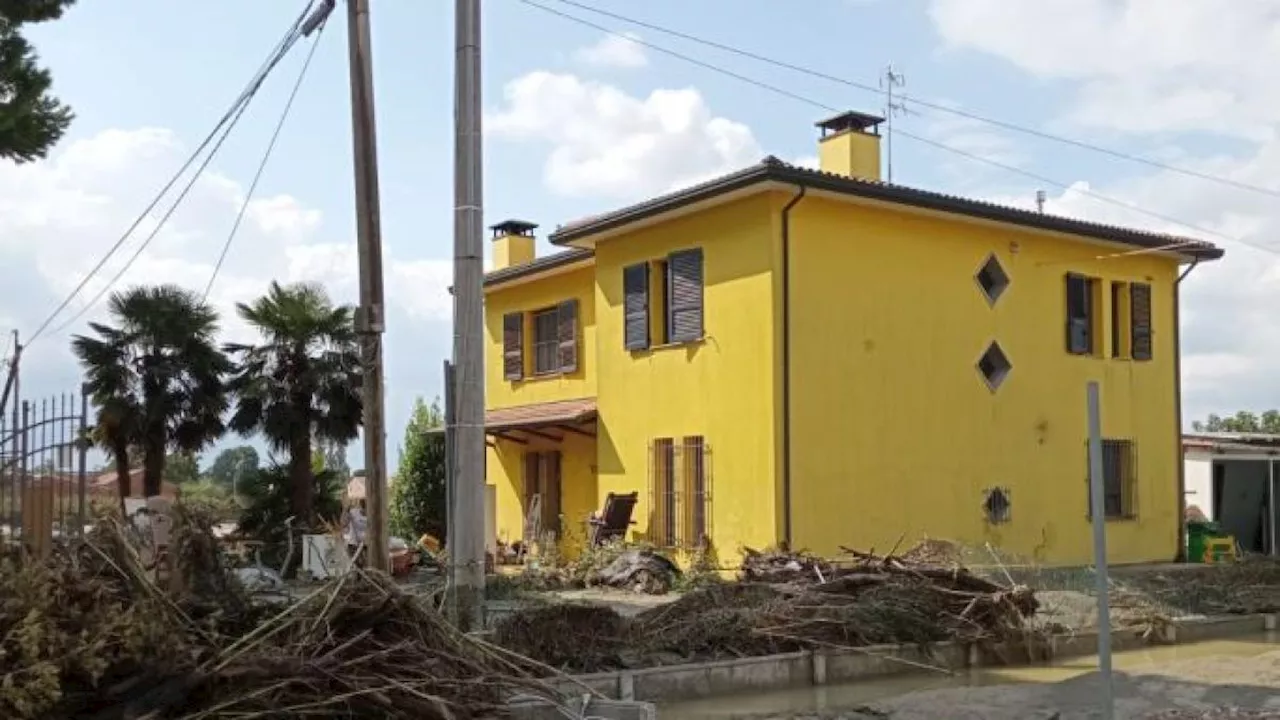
[369,316]
[467,559]
[11,381]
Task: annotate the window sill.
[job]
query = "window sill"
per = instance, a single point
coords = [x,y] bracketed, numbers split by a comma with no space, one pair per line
[540,377]
[670,346]
[1114,519]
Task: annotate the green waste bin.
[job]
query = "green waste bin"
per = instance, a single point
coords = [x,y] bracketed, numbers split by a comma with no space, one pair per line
[1197,535]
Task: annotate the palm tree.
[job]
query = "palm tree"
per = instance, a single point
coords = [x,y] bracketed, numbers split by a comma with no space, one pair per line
[156,377]
[301,382]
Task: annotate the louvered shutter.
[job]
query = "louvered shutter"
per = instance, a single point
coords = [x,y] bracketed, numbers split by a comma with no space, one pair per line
[685,290]
[567,335]
[1140,311]
[513,346]
[635,306]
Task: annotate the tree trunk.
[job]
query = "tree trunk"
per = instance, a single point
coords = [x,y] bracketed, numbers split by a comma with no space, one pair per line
[124,476]
[300,475]
[153,461]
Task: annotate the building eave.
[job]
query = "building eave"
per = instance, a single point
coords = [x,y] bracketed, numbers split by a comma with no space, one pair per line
[551,264]
[771,170]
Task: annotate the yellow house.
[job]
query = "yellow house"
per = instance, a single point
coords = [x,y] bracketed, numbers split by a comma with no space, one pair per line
[818,358]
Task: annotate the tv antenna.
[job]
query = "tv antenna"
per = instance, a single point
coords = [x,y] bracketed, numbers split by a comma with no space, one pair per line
[893,105]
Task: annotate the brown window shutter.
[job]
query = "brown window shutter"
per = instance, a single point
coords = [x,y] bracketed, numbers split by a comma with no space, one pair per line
[635,306]
[1140,312]
[513,346]
[684,302]
[567,335]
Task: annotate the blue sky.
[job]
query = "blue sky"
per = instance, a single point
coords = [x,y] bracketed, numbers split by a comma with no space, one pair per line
[573,128]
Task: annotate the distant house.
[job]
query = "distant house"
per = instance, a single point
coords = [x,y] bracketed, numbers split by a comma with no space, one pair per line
[105,484]
[1231,479]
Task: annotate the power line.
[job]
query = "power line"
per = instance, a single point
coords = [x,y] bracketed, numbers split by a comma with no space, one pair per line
[266,156]
[230,116]
[934,143]
[936,106]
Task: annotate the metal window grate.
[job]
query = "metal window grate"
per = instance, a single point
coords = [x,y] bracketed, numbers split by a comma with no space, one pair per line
[680,497]
[1119,478]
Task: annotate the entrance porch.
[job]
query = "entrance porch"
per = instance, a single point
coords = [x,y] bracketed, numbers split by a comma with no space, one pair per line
[542,464]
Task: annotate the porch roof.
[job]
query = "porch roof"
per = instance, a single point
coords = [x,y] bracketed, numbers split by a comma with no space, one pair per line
[1226,443]
[536,415]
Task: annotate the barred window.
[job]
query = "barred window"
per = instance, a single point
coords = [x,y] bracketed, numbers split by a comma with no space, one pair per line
[680,492]
[1119,479]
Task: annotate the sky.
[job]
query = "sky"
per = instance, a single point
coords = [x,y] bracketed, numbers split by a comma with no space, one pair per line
[579,121]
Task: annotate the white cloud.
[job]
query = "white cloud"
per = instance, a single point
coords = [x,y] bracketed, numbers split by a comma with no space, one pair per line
[1140,65]
[58,218]
[605,142]
[614,51]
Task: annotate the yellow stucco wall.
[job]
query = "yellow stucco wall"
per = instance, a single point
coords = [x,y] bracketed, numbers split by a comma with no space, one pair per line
[722,388]
[528,297]
[504,468]
[894,432]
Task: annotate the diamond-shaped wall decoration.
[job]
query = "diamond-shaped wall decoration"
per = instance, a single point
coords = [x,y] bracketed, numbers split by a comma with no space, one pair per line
[994,366]
[992,279]
[996,506]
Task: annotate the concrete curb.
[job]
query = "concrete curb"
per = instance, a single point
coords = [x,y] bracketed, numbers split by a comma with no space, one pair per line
[808,668]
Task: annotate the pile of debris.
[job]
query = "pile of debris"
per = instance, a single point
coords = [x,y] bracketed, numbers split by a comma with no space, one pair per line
[635,568]
[778,566]
[91,633]
[805,604]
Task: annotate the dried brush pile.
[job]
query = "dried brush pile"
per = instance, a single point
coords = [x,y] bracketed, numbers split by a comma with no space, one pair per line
[872,600]
[90,634]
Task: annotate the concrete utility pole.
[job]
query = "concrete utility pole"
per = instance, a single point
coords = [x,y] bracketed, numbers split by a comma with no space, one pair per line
[369,316]
[467,559]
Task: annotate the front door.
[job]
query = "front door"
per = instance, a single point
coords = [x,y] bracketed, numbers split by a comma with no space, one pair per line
[542,494]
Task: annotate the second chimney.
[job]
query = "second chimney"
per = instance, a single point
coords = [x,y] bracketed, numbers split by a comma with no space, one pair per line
[850,145]
[513,243]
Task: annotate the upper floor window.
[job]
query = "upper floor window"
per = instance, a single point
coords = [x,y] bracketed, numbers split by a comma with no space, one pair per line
[546,341]
[555,341]
[669,290]
[1081,314]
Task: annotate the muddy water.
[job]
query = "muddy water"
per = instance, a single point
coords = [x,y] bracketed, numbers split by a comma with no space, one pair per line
[937,691]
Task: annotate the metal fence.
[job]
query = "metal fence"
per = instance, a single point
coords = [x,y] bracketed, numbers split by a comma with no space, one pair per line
[43,479]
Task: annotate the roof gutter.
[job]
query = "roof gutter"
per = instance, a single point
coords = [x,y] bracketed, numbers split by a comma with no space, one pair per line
[1180,554]
[786,363]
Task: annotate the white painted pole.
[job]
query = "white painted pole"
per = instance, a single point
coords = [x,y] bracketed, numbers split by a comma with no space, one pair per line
[1097,511]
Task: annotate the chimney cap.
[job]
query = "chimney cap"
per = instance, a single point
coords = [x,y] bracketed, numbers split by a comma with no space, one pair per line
[851,120]
[513,227]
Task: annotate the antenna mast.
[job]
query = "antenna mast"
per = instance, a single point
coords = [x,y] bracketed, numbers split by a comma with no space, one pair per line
[891,80]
